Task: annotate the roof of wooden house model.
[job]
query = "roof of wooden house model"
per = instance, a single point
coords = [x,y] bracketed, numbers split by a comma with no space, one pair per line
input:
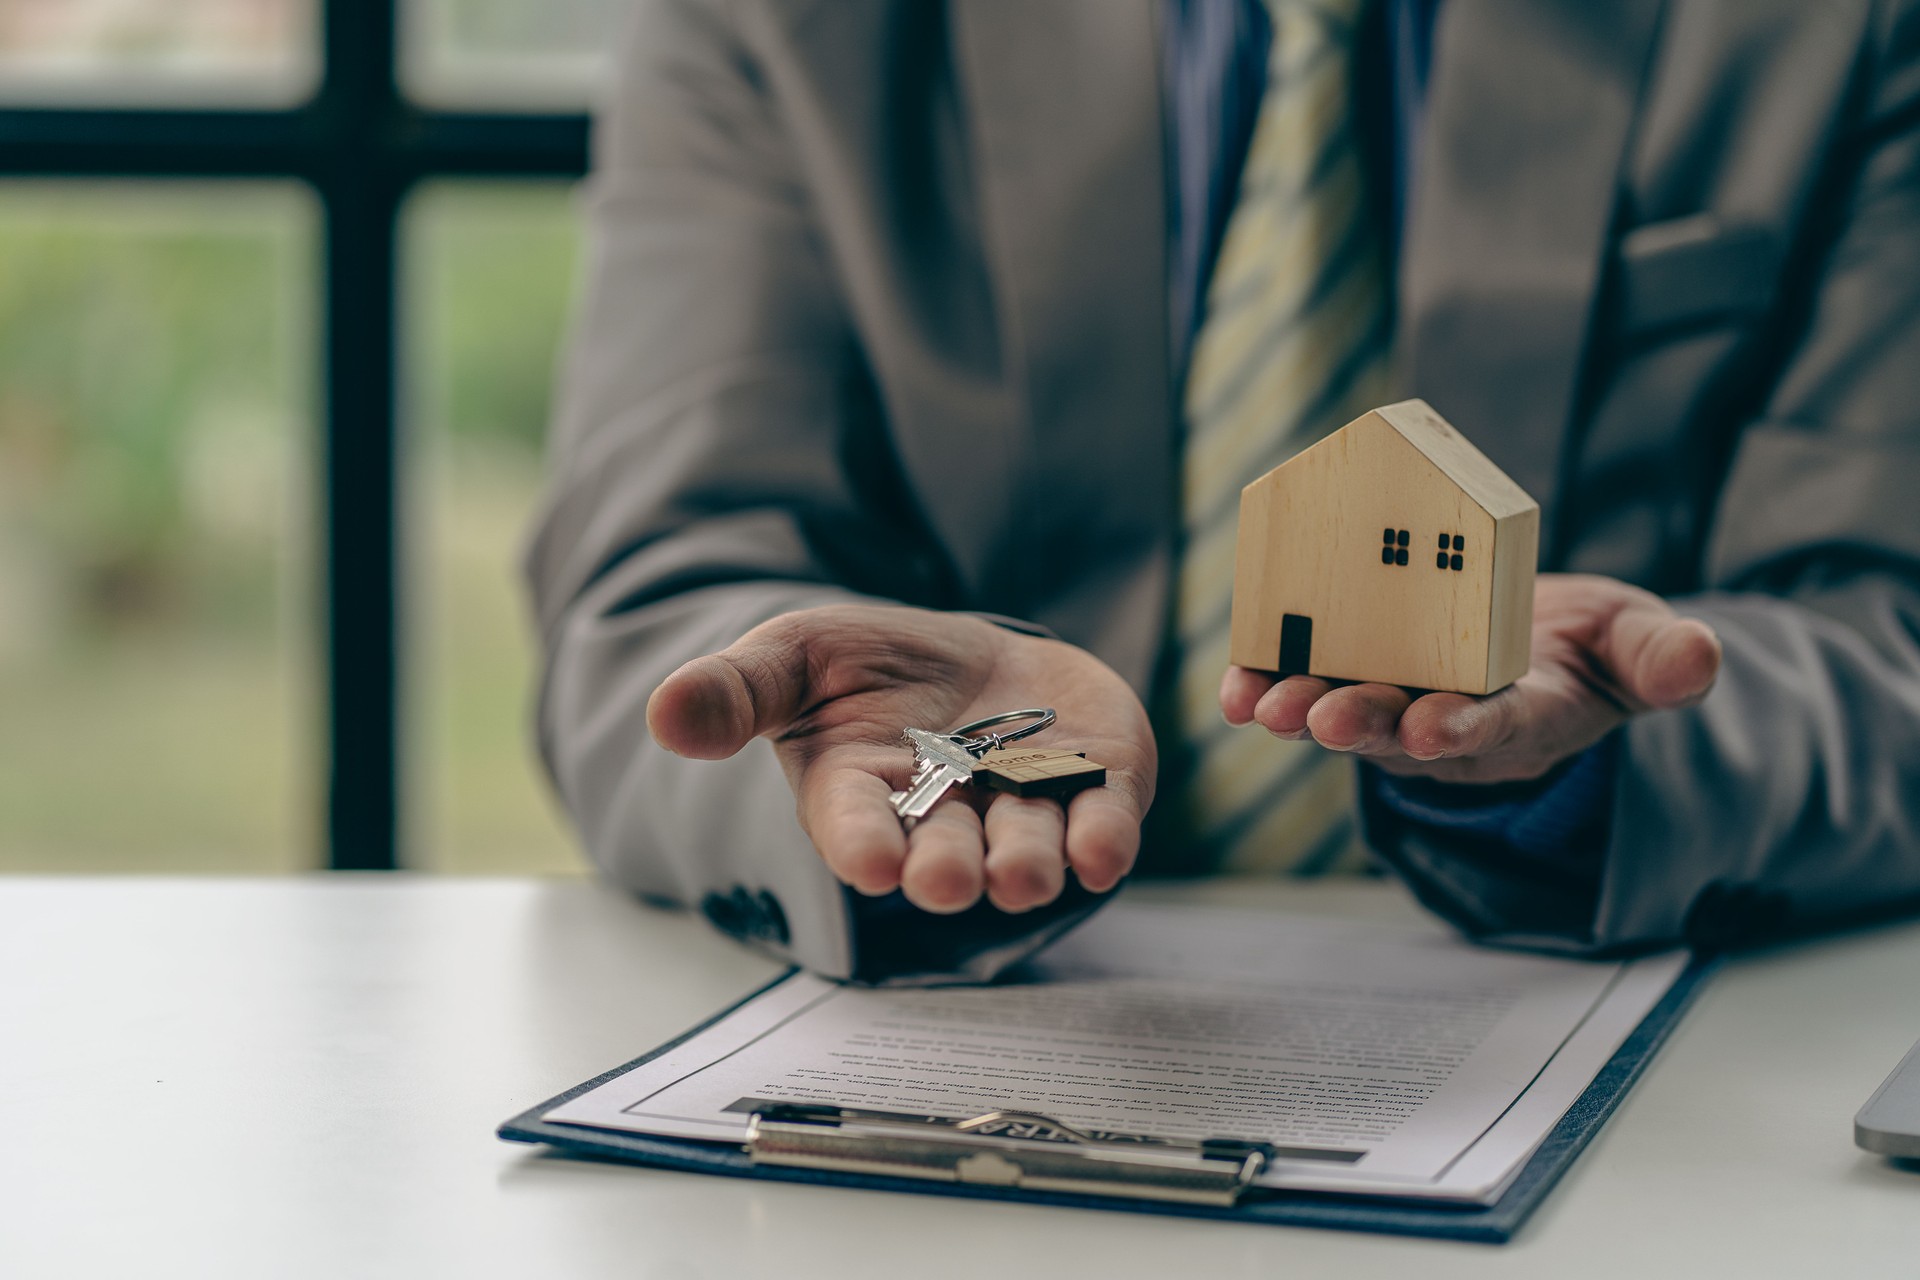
[1414,421]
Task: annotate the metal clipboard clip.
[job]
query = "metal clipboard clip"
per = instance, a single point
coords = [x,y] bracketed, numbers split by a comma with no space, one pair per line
[1005,1149]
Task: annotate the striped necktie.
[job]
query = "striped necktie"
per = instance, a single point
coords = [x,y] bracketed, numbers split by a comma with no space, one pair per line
[1292,345]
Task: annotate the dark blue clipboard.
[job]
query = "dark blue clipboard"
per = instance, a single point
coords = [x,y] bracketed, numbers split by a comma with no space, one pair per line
[1484,1224]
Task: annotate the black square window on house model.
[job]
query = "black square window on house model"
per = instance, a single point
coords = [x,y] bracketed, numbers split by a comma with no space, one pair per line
[1456,543]
[1393,545]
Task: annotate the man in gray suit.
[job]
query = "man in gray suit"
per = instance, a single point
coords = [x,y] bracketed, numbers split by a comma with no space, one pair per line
[884,384]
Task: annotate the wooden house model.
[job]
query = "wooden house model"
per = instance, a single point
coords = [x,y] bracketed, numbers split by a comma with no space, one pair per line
[1394,551]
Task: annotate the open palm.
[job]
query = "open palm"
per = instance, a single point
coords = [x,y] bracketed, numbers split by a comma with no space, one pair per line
[833,688]
[1603,651]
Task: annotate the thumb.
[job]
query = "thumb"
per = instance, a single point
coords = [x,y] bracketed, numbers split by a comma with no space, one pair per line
[713,706]
[1658,659]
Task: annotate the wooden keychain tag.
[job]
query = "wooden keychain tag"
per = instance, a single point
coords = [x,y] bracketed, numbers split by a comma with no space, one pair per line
[1034,771]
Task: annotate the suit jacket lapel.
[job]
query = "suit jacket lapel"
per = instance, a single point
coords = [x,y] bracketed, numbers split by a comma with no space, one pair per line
[1527,122]
[1063,103]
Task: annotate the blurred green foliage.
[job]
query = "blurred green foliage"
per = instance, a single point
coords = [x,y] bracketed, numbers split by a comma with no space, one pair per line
[158,468]
[515,26]
[489,268]
[151,381]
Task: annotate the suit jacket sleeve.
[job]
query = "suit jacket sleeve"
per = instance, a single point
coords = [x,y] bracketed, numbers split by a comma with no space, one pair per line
[717,460]
[1787,800]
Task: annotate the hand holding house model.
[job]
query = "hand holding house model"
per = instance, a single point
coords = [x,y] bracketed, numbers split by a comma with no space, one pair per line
[1391,551]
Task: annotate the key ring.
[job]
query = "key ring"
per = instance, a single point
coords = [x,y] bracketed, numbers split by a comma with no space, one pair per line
[963,736]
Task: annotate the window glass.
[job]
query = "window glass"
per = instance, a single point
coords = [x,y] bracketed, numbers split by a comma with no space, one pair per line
[170,52]
[489,271]
[156,493]
[528,55]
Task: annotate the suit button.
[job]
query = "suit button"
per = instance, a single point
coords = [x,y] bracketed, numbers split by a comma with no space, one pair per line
[773,920]
[1726,916]
[731,913]
[747,916]
[1708,919]
[1770,915]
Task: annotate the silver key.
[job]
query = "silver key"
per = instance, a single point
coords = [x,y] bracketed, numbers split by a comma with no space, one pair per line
[941,763]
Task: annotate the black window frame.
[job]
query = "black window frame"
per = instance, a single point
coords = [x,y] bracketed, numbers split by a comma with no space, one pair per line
[361,146]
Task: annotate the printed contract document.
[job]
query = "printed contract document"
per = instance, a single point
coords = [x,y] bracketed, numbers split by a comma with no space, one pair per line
[1378,1059]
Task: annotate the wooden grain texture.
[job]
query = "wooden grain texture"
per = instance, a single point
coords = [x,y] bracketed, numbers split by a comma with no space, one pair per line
[1492,489]
[1399,480]
[1516,552]
[1033,771]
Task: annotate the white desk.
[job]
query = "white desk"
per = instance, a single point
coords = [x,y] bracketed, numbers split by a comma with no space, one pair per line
[302,1078]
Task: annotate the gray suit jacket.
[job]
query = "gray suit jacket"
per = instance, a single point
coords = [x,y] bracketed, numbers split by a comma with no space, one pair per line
[877,300]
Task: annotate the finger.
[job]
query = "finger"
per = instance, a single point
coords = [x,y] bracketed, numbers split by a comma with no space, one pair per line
[1240,692]
[1656,658]
[945,853]
[1026,863]
[1441,725]
[1103,832]
[846,813]
[713,706]
[1282,710]
[1361,718]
